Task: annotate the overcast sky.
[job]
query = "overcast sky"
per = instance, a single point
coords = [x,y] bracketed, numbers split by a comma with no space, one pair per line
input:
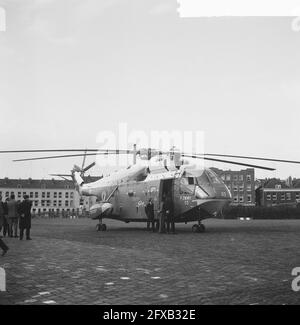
[71,69]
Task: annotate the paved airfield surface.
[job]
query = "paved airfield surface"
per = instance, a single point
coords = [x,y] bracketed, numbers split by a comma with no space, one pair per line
[234,262]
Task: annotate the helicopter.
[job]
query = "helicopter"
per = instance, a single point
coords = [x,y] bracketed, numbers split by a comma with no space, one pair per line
[197,193]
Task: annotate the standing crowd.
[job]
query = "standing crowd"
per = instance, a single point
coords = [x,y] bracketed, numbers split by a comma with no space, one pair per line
[165,220]
[13,215]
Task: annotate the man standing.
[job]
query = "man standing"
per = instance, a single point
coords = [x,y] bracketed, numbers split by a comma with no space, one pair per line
[2,244]
[170,214]
[12,209]
[25,217]
[162,216]
[1,214]
[5,222]
[150,213]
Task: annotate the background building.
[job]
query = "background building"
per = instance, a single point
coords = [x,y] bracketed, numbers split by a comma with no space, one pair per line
[241,185]
[49,196]
[275,192]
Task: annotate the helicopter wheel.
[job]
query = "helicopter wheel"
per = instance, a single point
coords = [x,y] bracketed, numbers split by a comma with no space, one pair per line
[195,228]
[198,228]
[101,226]
[201,228]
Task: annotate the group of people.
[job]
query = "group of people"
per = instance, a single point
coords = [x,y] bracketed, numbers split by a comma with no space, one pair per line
[13,214]
[165,220]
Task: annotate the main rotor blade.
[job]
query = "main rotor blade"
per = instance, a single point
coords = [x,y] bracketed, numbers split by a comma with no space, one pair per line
[65,150]
[254,158]
[67,156]
[228,162]
[154,151]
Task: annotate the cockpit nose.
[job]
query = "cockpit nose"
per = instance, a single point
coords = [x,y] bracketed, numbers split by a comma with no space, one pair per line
[211,185]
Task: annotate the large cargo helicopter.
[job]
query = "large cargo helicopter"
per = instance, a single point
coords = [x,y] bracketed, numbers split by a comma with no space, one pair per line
[197,193]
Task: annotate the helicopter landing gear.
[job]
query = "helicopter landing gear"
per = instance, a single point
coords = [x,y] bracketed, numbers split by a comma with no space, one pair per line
[101,226]
[198,228]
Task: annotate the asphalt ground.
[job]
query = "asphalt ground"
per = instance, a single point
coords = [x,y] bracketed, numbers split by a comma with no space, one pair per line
[233,262]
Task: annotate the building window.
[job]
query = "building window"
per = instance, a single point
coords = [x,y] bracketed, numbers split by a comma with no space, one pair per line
[59,203]
[48,195]
[54,203]
[43,195]
[48,203]
[249,198]
[269,197]
[249,178]
[283,197]
[55,195]
[241,188]
[297,196]
[31,195]
[288,196]
[60,194]
[36,195]
[241,177]
[235,188]
[43,203]
[19,195]
[72,195]
[67,195]
[241,199]
[236,199]
[235,178]
[36,203]
[6,194]
[249,188]
[66,203]
[274,196]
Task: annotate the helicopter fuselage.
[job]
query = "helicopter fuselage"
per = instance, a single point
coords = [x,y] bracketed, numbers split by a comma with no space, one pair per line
[197,194]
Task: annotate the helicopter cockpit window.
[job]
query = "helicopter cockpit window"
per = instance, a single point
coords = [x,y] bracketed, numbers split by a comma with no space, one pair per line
[213,177]
[187,185]
[191,180]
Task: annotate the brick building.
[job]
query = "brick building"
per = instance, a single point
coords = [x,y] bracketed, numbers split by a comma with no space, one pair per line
[275,192]
[241,185]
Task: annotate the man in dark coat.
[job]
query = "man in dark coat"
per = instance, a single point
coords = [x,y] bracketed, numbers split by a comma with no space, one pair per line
[162,216]
[149,209]
[2,244]
[25,217]
[170,214]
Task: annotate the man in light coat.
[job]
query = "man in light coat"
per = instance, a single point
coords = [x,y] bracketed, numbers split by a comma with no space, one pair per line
[13,216]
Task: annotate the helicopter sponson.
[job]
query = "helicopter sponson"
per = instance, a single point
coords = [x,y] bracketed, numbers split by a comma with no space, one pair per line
[101,210]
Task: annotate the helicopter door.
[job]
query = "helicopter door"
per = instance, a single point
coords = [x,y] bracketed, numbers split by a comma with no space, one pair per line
[166,188]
